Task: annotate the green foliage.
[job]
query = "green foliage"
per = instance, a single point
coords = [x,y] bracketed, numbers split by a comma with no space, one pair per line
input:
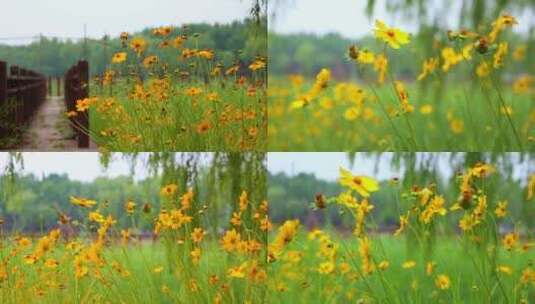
[52,56]
[31,203]
[291,197]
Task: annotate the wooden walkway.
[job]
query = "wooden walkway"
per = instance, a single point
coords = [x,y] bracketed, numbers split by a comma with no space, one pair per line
[49,129]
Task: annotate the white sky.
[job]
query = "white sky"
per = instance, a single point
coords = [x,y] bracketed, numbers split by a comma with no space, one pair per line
[348,18]
[325,165]
[83,166]
[21,18]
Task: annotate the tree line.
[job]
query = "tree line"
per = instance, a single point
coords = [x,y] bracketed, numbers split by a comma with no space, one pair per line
[31,203]
[243,40]
[307,54]
[293,197]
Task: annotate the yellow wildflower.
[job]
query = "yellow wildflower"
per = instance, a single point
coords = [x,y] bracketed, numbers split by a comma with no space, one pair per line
[362,184]
[392,36]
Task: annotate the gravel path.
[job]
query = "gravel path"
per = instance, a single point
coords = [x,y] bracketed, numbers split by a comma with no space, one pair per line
[50,130]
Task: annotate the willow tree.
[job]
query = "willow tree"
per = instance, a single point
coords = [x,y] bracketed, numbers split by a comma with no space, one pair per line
[472,13]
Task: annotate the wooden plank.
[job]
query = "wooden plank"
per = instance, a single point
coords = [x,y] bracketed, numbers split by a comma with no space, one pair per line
[3,82]
[83,72]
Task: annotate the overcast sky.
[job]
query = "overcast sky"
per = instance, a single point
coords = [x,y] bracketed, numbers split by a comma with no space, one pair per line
[348,18]
[21,18]
[326,165]
[83,166]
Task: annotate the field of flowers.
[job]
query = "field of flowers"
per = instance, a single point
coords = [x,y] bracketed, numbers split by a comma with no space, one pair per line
[184,260]
[143,103]
[422,260]
[473,93]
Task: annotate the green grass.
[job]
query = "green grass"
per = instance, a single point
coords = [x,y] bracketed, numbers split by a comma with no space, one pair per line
[394,285]
[323,126]
[235,122]
[38,284]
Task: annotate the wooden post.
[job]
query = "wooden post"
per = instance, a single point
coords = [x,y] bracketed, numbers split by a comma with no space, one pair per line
[3,82]
[49,85]
[83,136]
[58,83]
[3,96]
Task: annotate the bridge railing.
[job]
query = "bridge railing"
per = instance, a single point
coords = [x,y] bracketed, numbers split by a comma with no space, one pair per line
[22,91]
[76,87]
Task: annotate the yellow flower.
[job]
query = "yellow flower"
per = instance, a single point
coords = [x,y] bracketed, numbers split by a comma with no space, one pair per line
[428,68]
[71,114]
[531,186]
[230,240]
[429,267]
[83,104]
[352,113]
[523,84]
[509,240]
[527,275]
[451,58]
[82,202]
[505,269]
[206,54]
[197,235]
[119,57]
[365,255]
[482,170]
[51,263]
[403,221]
[162,31]
[203,127]
[24,242]
[520,53]
[364,56]
[393,36]
[130,207]
[237,272]
[483,69]
[139,45]
[380,65]
[125,236]
[195,255]
[500,54]
[403,96]
[408,264]
[326,267]
[442,282]
[362,184]
[457,126]
[499,25]
[383,265]
[193,91]
[157,269]
[285,235]
[426,109]
[95,216]
[501,209]
[467,51]
[150,61]
[30,259]
[168,190]
[257,65]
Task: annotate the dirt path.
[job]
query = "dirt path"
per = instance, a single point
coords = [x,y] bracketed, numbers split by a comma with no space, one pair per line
[50,130]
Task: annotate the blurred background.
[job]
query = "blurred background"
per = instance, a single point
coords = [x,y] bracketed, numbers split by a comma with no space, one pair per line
[307,35]
[35,187]
[295,178]
[49,36]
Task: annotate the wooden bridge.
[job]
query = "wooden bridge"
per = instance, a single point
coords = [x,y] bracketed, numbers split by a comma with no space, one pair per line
[33,117]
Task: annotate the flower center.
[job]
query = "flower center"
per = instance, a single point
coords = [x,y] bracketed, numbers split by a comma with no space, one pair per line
[357,180]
